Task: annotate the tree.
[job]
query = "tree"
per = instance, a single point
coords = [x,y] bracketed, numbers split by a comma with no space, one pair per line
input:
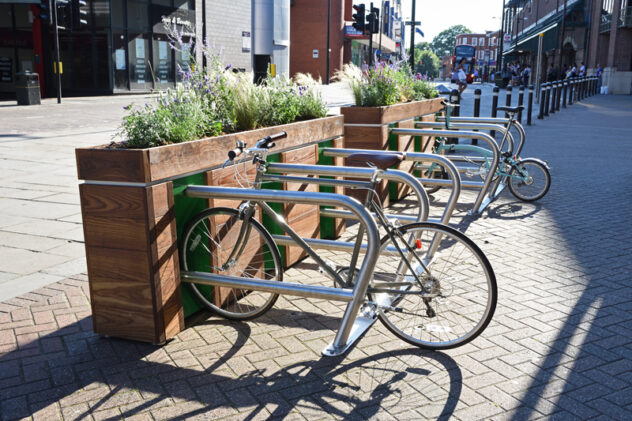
[427,63]
[445,41]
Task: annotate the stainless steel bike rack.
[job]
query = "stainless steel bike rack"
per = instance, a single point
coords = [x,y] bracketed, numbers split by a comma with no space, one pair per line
[356,172]
[493,120]
[472,126]
[352,326]
[488,190]
[451,170]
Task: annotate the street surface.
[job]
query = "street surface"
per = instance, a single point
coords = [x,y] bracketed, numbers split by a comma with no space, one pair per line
[559,346]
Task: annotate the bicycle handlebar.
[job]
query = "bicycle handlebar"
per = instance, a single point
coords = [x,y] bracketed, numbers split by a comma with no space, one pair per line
[263,143]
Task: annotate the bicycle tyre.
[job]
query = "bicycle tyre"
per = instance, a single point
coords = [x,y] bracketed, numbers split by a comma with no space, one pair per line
[537,184]
[463,292]
[221,227]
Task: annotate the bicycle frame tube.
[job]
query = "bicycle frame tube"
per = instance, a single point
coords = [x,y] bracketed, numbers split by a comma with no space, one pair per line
[344,338]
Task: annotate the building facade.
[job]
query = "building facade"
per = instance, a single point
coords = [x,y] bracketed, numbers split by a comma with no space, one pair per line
[597,33]
[486,51]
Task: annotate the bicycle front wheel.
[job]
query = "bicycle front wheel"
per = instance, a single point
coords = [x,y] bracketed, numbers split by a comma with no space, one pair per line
[440,294]
[529,180]
[211,243]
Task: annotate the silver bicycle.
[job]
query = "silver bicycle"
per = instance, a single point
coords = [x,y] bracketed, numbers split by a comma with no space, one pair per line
[430,285]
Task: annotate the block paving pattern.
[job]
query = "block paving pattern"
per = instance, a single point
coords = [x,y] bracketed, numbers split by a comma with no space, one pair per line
[559,346]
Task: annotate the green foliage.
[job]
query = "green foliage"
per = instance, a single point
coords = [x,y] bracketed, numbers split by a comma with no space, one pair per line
[427,63]
[215,100]
[384,85]
[445,41]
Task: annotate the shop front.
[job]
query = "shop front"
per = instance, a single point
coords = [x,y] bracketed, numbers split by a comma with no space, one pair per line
[123,48]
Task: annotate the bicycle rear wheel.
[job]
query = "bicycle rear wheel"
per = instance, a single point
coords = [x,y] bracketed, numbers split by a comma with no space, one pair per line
[529,180]
[209,241]
[455,297]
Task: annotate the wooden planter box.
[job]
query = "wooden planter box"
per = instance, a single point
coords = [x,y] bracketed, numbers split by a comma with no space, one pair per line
[368,128]
[130,226]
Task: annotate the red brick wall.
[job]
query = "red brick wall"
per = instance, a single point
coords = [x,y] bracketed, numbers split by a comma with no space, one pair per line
[308,32]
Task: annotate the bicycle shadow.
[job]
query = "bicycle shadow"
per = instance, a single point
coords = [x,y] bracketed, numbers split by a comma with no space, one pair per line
[93,373]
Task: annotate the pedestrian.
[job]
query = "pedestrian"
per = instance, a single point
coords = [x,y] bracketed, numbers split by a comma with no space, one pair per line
[526,73]
[598,74]
[582,70]
[461,76]
[506,75]
[551,76]
[573,72]
[565,71]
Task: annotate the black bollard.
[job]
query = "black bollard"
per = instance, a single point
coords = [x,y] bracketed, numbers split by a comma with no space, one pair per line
[571,91]
[547,95]
[559,95]
[494,107]
[553,97]
[477,109]
[564,93]
[508,97]
[542,91]
[455,98]
[529,105]
[520,102]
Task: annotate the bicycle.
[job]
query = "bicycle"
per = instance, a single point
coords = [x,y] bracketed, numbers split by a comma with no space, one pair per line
[431,286]
[528,179]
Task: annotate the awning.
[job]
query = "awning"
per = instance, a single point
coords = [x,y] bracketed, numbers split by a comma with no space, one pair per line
[530,43]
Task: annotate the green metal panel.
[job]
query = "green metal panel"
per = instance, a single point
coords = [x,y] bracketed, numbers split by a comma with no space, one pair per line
[392,146]
[186,208]
[327,225]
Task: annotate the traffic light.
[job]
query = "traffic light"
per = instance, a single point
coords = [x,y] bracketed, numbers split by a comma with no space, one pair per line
[373,20]
[64,14]
[79,14]
[359,17]
[45,13]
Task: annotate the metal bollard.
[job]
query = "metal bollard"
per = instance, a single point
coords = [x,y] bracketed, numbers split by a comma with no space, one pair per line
[494,107]
[529,105]
[542,91]
[571,89]
[580,91]
[553,96]
[559,95]
[477,109]
[547,96]
[564,92]
[520,102]
[455,98]
[508,97]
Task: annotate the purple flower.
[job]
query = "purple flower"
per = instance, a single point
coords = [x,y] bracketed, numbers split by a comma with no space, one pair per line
[228,67]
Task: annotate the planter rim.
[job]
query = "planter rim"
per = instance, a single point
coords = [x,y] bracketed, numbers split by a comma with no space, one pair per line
[385,107]
[152,165]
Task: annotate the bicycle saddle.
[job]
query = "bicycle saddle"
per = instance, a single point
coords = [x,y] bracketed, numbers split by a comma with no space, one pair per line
[380,160]
[511,109]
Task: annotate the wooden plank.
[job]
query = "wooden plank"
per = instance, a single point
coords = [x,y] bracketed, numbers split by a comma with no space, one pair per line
[391,113]
[225,177]
[163,244]
[304,219]
[154,164]
[119,233]
[101,163]
[116,201]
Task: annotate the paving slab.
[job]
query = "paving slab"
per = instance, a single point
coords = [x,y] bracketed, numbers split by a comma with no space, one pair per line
[559,346]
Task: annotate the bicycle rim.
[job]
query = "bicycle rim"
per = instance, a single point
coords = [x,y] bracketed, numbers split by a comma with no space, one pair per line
[208,243]
[447,305]
[532,187]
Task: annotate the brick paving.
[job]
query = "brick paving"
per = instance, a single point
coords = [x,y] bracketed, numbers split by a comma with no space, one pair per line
[559,346]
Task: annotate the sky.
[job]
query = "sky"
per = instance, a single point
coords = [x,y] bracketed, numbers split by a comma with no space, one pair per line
[437,15]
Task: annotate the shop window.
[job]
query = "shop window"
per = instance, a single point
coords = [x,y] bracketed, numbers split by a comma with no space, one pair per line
[139,59]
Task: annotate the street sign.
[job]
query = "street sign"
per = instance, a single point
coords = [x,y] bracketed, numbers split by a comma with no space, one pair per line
[314,53]
[378,52]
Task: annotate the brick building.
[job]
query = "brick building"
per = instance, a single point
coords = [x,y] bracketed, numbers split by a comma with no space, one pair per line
[596,32]
[308,34]
[486,51]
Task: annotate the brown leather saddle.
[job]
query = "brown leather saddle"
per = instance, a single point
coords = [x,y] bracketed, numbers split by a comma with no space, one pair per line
[381,160]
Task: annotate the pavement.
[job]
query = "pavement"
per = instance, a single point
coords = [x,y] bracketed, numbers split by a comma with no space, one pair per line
[559,346]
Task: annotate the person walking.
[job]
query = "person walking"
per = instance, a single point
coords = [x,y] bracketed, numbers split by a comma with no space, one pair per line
[461,76]
[526,74]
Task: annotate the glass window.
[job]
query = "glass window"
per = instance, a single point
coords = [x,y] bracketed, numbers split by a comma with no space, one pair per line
[474,42]
[163,62]
[481,41]
[137,16]
[100,12]
[139,56]
[118,14]
[119,61]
